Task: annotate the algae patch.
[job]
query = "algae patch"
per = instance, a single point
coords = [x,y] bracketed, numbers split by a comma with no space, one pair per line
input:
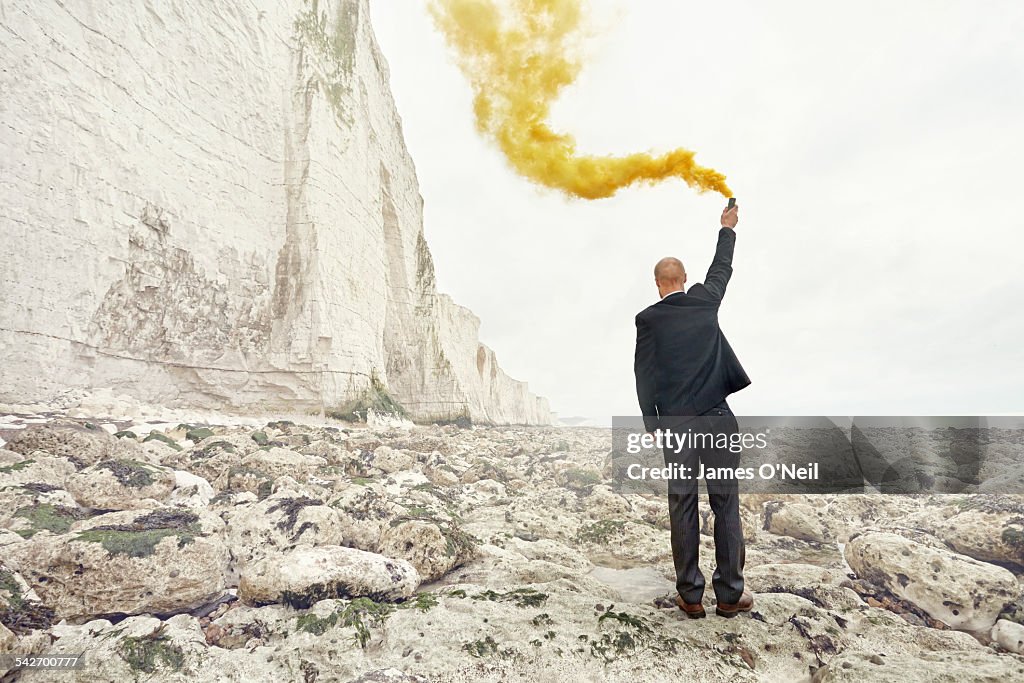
[600,533]
[19,615]
[140,538]
[631,633]
[360,614]
[159,436]
[16,467]
[290,509]
[56,519]
[520,597]
[131,473]
[148,654]
[374,399]
[197,434]
[334,52]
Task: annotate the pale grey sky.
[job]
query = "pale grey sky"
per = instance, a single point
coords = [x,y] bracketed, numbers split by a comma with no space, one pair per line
[876,152]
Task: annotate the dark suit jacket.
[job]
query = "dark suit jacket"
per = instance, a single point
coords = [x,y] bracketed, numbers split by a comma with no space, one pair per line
[683,363]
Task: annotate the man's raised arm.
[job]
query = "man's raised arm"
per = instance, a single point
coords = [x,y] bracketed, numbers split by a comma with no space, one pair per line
[721,267]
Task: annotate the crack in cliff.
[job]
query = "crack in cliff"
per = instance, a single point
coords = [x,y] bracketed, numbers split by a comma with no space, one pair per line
[296,260]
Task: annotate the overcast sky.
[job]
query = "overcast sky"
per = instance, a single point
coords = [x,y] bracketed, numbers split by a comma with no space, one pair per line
[876,152]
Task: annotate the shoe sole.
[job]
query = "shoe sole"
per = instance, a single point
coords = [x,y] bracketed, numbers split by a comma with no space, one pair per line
[731,613]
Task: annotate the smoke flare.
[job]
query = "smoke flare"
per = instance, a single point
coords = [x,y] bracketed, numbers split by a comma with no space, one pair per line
[518,56]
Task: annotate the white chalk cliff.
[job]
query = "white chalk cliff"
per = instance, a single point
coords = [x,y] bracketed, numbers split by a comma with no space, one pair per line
[210,204]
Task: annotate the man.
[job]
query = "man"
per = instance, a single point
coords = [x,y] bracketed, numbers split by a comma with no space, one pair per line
[684,370]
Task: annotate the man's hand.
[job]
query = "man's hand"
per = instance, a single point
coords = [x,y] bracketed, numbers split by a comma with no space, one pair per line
[730,217]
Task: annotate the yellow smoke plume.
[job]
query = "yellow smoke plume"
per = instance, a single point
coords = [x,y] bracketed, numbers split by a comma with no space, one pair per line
[518,55]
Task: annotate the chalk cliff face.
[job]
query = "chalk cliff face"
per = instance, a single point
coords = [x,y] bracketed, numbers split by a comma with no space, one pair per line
[210,204]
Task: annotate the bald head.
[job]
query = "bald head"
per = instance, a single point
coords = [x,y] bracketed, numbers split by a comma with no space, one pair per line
[669,275]
[669,268]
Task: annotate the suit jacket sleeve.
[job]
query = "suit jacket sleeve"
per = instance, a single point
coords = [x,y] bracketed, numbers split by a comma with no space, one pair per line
[721,268]
[644,369]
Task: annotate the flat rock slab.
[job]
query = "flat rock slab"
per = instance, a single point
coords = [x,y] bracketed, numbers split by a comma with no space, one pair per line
[306,575]
[121,484]
[133,562]
[960,591]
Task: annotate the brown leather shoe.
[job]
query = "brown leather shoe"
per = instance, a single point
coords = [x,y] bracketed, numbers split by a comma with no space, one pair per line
[692,611]
[729,610]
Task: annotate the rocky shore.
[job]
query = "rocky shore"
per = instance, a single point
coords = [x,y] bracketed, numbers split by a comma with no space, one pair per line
[334,552]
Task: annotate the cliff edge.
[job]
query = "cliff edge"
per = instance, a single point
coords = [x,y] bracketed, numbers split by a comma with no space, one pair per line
[211,205]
